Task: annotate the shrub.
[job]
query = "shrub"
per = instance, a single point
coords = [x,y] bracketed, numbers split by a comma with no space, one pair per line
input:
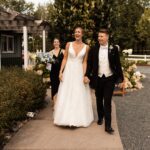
[20,91]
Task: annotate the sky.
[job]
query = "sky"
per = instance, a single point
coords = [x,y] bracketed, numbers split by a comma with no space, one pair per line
[36,2]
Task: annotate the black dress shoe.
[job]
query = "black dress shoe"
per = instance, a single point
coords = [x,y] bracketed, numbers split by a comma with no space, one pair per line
[100,122]
[109,130]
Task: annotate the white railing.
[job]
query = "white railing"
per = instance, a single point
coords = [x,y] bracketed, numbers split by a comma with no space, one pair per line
[138,57]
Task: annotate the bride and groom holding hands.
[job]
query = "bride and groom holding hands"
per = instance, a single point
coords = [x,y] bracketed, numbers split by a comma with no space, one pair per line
[81,65]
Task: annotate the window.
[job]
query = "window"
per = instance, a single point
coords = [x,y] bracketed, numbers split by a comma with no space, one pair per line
[7,44]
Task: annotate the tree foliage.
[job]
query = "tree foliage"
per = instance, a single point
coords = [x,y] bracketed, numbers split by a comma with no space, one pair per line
[18,5]
[121,17]
[127,20]
[143,30]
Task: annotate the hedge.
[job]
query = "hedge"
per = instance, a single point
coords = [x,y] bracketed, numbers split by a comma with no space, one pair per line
[20,91]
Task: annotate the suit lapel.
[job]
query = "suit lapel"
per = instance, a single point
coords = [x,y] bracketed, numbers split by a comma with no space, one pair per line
[109,52]
[97,54]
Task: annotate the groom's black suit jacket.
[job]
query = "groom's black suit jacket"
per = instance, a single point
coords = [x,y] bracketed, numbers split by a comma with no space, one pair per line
[93,64]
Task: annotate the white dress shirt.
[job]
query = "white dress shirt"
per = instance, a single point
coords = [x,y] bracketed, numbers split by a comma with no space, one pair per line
[104,67]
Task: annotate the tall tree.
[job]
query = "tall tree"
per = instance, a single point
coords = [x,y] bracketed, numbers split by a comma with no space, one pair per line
[129,13]
[47,12]
[72,13]
[143,30]
[18,5]
[120,16]
[41,12]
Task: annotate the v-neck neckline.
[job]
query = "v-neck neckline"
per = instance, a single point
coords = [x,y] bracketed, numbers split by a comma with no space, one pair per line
[76,54]
[58,53]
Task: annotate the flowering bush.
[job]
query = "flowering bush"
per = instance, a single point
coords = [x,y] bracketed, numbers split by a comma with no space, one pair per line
[132,77]
[143,63]
[43,65]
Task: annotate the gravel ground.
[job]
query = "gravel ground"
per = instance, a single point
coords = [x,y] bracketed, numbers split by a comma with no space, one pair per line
[133,115]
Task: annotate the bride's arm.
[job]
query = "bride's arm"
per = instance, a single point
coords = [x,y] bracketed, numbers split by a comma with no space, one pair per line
[64,61]
[85,63]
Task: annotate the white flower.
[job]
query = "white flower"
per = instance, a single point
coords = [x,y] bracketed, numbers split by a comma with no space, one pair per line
[43,59]
[111,47]
[128,84]
[134,66]
[130,69]
[30,114]
[39,72]
[139,85]
[128,51]
[137,73]
[126,74]
[48,66]
[126,79]
[46,57]
[143,76]
[46,80]
[135,78]
[40,65]
[30,67]
[32,56]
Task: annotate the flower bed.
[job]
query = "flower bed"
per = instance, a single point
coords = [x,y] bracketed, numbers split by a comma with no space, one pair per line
[132,77]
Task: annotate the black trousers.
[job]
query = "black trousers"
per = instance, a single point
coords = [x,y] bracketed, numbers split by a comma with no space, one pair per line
[104,92]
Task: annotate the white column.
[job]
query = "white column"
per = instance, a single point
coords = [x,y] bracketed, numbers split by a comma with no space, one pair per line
[44,41]
[0,54]
[0,59]
[25,45]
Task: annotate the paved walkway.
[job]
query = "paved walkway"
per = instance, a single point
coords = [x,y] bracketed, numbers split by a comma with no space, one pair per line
[41,134]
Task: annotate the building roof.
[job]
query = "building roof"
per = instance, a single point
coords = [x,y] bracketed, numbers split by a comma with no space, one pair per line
[14,21]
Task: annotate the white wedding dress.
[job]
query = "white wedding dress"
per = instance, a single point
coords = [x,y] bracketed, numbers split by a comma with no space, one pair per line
[74,102]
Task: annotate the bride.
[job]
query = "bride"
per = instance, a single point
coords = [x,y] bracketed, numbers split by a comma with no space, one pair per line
[74,103]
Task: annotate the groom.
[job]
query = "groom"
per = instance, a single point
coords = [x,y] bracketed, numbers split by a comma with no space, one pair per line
[104,69]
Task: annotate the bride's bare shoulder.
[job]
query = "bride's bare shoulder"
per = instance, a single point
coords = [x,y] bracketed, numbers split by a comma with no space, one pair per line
[67,45]
[87,47]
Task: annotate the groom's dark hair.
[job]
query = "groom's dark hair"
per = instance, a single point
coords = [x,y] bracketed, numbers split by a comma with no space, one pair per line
[103,30]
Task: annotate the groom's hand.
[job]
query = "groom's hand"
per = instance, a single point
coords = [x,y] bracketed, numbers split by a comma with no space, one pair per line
[86,80]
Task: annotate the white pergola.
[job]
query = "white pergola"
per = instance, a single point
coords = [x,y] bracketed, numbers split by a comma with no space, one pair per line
[25,43]
[24,24]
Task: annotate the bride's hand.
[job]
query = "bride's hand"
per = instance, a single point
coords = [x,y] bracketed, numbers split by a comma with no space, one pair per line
[60,76]
[86,80]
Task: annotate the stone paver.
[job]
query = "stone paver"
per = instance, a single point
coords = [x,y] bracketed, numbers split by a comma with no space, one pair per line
[42,134]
